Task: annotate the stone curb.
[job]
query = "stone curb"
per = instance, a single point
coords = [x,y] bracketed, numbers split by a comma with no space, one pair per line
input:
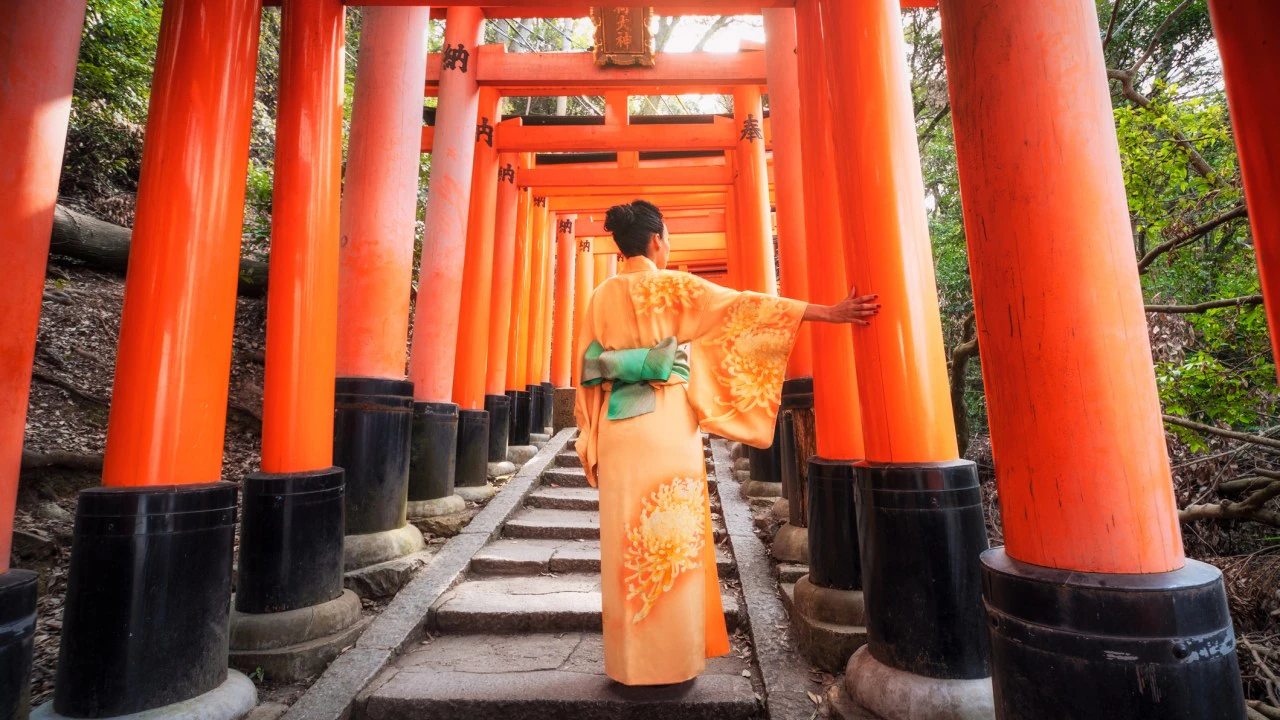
[333,695]
[784,670]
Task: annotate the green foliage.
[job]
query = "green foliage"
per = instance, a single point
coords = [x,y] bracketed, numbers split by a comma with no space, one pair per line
[112,89]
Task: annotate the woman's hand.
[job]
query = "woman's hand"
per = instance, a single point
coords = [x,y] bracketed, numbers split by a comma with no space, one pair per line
[853,309]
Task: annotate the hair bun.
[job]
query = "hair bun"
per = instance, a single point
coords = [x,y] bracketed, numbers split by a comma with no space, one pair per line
[619,218]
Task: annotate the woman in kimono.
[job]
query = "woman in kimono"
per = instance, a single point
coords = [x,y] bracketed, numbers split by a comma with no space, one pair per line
[668,353]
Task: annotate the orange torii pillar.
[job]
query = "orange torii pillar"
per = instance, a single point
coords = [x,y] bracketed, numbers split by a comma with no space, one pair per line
[1246,33]
[37,71]
[496,402]
[796,414]
[828,602]
[562,350]
[606,267]
[1090,518]
[145,621]
[549,311]
[472,479]
[755,225]
[584,283]
[920,505]
[439,303]
[756,255]
[372,418]
[539,280]
[291,535]
[519,448]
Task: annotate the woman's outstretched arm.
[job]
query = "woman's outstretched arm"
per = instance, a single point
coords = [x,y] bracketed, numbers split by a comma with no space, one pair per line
[853,309]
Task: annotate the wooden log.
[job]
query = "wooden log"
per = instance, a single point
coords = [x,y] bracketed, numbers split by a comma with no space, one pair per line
[105,246]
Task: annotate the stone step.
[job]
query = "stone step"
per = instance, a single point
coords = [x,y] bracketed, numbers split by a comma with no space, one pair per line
[494,677]
[533,557]
[543,523]
[531,603]
[565,498]
[553,524]
[565,477]
[568,459]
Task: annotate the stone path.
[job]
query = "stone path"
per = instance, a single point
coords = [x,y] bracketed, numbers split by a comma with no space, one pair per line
[519,637]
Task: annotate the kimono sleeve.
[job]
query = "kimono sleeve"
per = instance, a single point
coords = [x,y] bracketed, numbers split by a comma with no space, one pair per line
[738,360]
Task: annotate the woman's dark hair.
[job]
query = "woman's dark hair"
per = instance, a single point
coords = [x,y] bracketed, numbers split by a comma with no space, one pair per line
[633,225]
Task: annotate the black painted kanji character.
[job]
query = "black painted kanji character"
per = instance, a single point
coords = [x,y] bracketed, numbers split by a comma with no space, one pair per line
[507,173]
[751,130]
[485,130]
[456,58]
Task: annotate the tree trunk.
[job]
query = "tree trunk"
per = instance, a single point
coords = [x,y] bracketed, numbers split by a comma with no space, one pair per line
[105,246]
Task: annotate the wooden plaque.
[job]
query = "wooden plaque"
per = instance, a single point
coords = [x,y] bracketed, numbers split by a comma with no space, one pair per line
[622,36]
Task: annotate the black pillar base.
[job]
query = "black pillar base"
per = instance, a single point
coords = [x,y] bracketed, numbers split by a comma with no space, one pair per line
[922,532]
[1121,647]
[290,541]
[518,432]
[473,449]
[548,404]
[499,409]
[834,560]
[372,427]
[17,631]
[434,454]
[145,621]
[796,445]
[766,464]
[535,409]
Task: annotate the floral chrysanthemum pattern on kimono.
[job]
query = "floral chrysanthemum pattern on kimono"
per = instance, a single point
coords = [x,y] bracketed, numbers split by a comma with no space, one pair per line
[757,340]
[666,542]
[659,293]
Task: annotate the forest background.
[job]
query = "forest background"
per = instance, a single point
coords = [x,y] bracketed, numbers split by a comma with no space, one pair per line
[1213,362]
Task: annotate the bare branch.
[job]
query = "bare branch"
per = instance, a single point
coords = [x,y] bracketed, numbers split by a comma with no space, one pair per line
[720,23]
[932,127]
[1160,31]
[1238,211]
[1111,26]
[1232,434]
[1210,305]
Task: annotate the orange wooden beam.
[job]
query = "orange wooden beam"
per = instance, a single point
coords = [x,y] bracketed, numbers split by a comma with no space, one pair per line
[601,203]
[555,176]
[692,242]
[593,226]
[576,72]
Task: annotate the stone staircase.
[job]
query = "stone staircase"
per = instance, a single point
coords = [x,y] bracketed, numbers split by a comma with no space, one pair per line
[519,637]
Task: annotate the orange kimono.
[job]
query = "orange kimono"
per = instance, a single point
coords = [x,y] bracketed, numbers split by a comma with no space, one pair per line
[662,609]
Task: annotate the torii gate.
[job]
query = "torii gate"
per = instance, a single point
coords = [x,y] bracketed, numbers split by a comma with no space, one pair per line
[1087,509]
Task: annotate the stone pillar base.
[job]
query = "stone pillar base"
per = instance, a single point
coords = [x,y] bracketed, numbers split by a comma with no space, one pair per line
[539,439]
[781,509]
[879,691]
[737,451]
[448,505]
[791,545]
[742,464]
[295,644]
[518,455]
[499,469]
[562,409]
[830,623]
[360,551]
[233,699]
[761,489]
[476,493]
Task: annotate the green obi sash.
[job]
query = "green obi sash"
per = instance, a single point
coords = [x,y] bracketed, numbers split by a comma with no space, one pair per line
[631,371]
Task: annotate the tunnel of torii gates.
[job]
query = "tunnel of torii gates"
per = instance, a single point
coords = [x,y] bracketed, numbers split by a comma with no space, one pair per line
[1090,610]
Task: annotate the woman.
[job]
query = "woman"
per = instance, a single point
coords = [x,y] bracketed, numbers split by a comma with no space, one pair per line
[668,353]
